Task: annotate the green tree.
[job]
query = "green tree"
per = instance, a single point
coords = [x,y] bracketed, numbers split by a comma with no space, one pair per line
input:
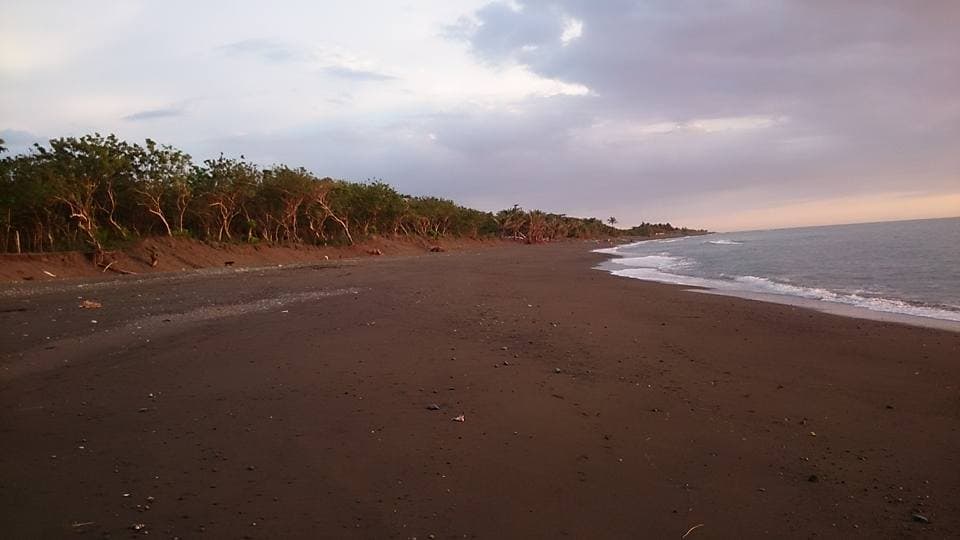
[162,183]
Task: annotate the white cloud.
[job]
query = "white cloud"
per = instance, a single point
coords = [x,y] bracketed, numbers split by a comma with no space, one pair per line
[572,30]
[733,123]
[655,106]
[619,132]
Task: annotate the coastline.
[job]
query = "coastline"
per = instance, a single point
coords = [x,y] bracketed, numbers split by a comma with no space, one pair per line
[843,310]
[800,286]
[594,406]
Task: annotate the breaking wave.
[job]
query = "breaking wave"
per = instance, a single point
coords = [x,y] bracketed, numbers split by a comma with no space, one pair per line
[764,286]
[724,242]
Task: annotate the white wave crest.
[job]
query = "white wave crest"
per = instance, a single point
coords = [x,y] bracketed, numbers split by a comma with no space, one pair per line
[888,305]
[769,289]
[659,262]
[724,242]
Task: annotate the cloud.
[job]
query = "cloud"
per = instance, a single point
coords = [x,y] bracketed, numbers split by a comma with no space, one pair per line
[334,61]
[572,30]
[646,110]
[734,98]
[267,50]
[153,114]
[499,31]
[19,141]
[359,75]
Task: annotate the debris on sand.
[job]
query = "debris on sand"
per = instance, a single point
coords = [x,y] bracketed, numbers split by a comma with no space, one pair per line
[433,407]
[90,304]
[51,274]
[690,530]
[920,518]
[460,418]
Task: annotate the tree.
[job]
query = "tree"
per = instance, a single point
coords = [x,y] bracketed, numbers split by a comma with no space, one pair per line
[96,189]
[226,185]
[512,221]
[321,195]
[90,176]
[282,195]
[162,182]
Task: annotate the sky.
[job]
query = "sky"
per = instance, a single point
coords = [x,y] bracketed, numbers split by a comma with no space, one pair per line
[728,115]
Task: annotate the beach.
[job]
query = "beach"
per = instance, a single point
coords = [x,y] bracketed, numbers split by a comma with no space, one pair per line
[319,401]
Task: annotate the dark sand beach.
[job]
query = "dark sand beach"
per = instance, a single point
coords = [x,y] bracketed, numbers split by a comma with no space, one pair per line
[296,403]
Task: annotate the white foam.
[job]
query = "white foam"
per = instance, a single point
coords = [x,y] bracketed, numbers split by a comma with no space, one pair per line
[616,250]
[660,262]
[766,289]
[724,242]
[610,250]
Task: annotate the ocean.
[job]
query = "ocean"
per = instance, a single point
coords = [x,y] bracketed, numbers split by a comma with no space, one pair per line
[907,269]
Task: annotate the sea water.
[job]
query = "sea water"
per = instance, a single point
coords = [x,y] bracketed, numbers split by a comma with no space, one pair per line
[907,268]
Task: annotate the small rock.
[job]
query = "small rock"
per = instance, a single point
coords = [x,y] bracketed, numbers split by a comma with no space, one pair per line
[920,518]
[556,370]
[433,407]
[813,478]
[460,418]
[90,304]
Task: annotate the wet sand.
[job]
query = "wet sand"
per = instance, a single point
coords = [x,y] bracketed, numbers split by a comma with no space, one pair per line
[296,403]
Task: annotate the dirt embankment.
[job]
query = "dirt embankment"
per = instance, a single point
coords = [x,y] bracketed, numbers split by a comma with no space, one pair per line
[180,254]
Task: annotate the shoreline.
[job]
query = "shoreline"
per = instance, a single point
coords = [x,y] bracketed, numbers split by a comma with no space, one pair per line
[301,400]
[937,317]
[821,306]
[843,310]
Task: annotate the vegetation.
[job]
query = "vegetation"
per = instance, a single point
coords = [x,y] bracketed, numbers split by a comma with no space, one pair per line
[96,191]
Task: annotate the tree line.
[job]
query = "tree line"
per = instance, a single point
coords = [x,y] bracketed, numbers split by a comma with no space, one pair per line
[96,191]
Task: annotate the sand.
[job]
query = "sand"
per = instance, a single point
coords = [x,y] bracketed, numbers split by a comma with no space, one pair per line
[298,403]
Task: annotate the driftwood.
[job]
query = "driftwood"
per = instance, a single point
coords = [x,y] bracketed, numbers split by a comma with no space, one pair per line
[690,530]
[117,270]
